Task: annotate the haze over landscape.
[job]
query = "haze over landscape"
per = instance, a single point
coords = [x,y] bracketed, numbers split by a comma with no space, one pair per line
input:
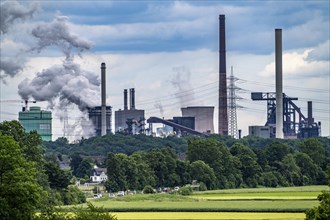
[51,52]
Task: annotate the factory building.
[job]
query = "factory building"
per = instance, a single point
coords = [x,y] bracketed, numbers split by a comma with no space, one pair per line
[129,120]
[188,122]
[262,131]
[203,117]
[38,120]
[95,115]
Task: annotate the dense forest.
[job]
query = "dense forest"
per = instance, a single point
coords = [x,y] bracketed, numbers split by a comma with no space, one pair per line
[215,162]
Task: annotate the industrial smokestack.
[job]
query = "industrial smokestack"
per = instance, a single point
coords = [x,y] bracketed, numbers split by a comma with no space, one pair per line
[132,98]
[103,97]
[125,99]
[310,113]
[279,83]
[222,117]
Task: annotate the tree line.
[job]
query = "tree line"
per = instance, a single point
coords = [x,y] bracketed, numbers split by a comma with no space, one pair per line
[216,166]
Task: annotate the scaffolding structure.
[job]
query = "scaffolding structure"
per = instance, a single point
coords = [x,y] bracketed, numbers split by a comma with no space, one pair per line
[232,106]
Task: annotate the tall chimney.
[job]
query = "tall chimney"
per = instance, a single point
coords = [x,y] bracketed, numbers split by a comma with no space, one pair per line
[103,97]
[310,113]
[222,117]
[125,99]
[279,83]
[132,98]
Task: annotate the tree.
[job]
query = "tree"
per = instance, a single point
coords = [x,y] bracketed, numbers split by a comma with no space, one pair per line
[218,157]
[116,173]
[84,169]
[249,167]
[202,172]
[20,194]
[275,152]
[75,162]
[58,178]
[314,149]
[323,210]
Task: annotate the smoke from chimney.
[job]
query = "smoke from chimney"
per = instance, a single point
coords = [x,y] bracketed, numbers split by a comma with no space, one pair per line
[181,82]
[13,57]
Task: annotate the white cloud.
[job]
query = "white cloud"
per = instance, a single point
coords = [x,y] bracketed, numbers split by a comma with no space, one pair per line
[296,64]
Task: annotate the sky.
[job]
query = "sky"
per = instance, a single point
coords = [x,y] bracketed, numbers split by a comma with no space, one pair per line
[51,52]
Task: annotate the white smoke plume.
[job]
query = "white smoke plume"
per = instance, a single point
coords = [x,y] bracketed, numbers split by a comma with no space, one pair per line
[12,54]
[57,33]
[67,82]
[160,107]
[181,82]
[12,11]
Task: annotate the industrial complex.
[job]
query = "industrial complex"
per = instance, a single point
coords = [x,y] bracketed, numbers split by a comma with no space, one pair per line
[284,117]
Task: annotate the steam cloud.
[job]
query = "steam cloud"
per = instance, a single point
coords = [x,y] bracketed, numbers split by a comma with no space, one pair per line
[57,33]
[67,82]
[12,11]
[160,107]
[181,82]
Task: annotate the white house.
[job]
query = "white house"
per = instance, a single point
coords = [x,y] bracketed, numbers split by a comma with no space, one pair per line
[99,175]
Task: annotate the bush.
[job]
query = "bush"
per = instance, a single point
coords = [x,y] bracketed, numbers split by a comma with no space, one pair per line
[91,213]
[148,190]
[185,191]
[202,186]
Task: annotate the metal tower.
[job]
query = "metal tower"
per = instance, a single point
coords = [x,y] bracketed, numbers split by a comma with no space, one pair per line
[232,106]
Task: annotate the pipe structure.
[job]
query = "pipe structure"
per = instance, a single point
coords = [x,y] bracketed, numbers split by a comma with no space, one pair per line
[279,83]
[222,109]
[125,99]
[103,102]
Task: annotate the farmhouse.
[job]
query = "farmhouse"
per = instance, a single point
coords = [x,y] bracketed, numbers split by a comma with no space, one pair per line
[99,175]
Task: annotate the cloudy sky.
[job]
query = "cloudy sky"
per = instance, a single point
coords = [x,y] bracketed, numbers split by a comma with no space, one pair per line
[51,52]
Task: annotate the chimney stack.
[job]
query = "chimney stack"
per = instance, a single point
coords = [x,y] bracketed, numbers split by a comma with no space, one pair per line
[132,98]
[103,98]
[222,108]
[279,83]
[310,113]
[125,99]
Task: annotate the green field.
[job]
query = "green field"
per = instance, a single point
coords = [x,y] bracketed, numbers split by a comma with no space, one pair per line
[207,215]
[258,203]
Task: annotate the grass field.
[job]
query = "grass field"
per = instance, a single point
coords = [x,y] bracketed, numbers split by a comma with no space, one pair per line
[207,216]
[245,204]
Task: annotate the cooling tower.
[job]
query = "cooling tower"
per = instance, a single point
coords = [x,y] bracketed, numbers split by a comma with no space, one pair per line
[203,117]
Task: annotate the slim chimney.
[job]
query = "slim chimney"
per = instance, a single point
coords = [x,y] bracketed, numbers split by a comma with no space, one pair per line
[222,115]
[310,113]
[125,99]
[132,98]
[103,97]
[279,83]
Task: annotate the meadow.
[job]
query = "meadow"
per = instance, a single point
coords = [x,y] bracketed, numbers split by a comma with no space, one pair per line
[258,203]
